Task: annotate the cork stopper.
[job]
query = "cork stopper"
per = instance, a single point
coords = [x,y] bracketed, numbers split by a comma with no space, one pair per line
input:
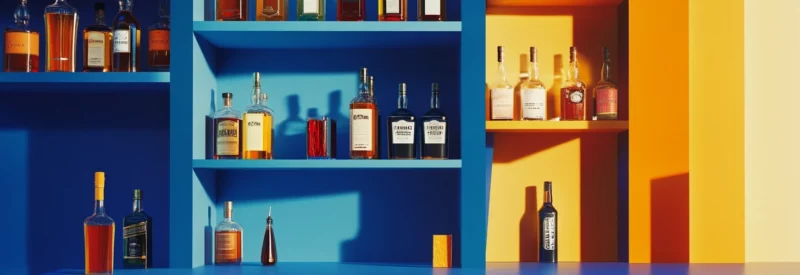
[573,54]
[533,56]
[500,54]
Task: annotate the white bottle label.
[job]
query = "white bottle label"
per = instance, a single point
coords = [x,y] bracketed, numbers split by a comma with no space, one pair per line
[361,123]
[549,232]
[403,132]
[433,7]
[502,103]
[122,41]
[534,102]
[392,6]
[96,49]
[435,132]
[311,6]
[254,132]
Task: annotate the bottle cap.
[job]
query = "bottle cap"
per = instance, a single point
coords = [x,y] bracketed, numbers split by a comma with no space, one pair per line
[548,186]
[402,88]
[227,95]
[533,56]
[606,54]
[500,54]
[363,73]
[256,79]
[435,87]
[573,53]
[99,179]
[228,205]
[137,194]
[99,6]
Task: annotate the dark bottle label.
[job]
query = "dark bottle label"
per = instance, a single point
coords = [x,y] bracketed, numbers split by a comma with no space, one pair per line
[134,237]
[435,132]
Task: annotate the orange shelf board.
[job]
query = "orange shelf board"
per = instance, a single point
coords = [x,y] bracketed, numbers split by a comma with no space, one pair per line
[551,3]
[557,126]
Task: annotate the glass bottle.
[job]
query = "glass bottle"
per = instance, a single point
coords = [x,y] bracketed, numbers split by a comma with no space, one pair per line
[394,10]
[97,43]
[126,34]
[431,10]
[231,10]
[533,94]
[502,93]
[257,129]
[98,232]
[606,92]
[158,39]
[228,239]
[137,236]
[21,47]
[363,127]
[378,116]
[434,127]
[548,227]
[227,129]
[573,93]
[402,135]
[351,10]
[271,10]
[269,252]
[311,10]
[61,31]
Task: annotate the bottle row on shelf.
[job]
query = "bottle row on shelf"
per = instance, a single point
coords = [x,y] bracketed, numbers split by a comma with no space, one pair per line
[314,10]
[250,135]
[114,48]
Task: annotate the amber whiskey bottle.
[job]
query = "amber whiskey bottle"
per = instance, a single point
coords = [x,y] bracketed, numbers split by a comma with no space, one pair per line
[257,129]
[137,236]
[21,47]
[350,10]
[97,43]
[228,239]
[573,92]
[61,31]
[126,34]
[271,10]
[227,130]
[158,39]
[363,127]
[269,252]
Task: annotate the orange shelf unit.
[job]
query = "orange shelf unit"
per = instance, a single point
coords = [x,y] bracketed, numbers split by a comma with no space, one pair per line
[613,126]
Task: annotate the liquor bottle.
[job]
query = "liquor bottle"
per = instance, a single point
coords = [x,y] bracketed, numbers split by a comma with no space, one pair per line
[137,236]
[351,10]
[158,39]
[434,127]
[98,233]
[228,239]
[231,10]
[271,10]
[311,10]
[126,34]
[257,129]
[548,227]
[97,42]
[502,93]
[394,10]
[378,119]
[573,93]
[533,103]
[402,135]
[605,92]
[269,253]
[61,30]
[430,10]
[22,44]
[363,127]
[227,129]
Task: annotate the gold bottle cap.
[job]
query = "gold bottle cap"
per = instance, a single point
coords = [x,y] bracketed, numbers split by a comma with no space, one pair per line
[99,179]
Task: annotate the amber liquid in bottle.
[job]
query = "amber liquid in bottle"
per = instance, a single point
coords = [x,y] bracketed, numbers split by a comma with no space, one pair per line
[228,239]
[125,56]
[573,93]
[21,47]
[394,10]
[271,10]
[100,248]
[61,32]
[158,40]
[97,43]
[363,133]
[231,10]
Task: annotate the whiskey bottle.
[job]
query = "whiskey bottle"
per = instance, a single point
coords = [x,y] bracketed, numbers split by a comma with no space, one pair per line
[311,10]
[430,10]
[502,93]
[605,92]
[231,10]
[126,33]
[227,129]
[434,127]
[21,47]
[61,31]
[363,130]
[394,10]
[351,10]
[533,103]
[158,39]
[137,236]
[573,92]
[548,227]
[257,134]
[402,135]
[97,43]
[98,232]
[228,239]
[269,252]
[271,10]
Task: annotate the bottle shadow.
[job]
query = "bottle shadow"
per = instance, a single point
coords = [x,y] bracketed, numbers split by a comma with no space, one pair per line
[209,240]
[342,123]
[529,228]
[291,132]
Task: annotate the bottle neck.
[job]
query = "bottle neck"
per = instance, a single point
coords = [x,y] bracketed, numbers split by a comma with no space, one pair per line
[163,8]
[402,101]
[21,15]
[226,102]
[605,72]
[256,97]
[548,197]
[228,215]
[435,100]
[137,205]
[501,71]
[533,70]
[125,5]
[100,17]
[99,208]
[573,69]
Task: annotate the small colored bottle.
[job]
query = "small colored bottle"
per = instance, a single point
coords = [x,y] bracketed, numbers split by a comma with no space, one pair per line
[606,94]
[269,253]
[431,10]
[271,10]
[394,10]
[434,129]
[548,227]
[351,10]
[310,10]
[158,50]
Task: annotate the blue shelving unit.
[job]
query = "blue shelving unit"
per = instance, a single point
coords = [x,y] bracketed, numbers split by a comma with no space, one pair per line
[323,164]
[145,82]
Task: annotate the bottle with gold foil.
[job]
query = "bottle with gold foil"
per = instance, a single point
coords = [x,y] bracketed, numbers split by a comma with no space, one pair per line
[257,136]
[228,239]
[98,233]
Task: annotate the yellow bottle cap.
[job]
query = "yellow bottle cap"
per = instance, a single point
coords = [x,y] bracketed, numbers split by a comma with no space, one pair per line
[99,179]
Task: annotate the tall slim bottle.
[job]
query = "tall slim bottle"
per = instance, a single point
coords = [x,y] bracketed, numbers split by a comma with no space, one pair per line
[573,93]
[21,47]
[257,134]
[125,56]
[61,29]
[402,133]
[97,43]
[434,128]
[533,103]
[269,252]
[502,93]
[137,236]
[98,233]
[548,227]
[228,239]
[605,92]
[363,127]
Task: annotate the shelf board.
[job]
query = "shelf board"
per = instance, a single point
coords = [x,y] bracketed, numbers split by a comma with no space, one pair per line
[324,164]
[557,126]
[84,82]
[328,34]
[551,3]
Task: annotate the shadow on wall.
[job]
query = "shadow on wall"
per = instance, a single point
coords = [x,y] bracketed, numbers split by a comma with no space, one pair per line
[529,228]
[669,219]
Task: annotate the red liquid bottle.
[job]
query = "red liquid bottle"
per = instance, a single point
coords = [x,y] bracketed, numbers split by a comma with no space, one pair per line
[351,10]
[98,232]
[573,93]
[269,254]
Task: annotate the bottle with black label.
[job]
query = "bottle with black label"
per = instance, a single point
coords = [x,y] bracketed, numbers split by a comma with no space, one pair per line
[548,227]
[137,236]
[434,129]
[402,137]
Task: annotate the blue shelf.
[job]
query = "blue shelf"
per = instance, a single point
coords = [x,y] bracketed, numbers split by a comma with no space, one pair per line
[84,82]
[323,164]
[328,34]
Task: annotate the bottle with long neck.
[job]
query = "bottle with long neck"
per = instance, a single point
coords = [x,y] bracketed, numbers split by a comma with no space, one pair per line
[97,43]
[402,133]
[434,128]
[257,134]
[502,93]
[533,92]
[573,93]
[137,236]
[125,55]
[363,125]
[98,232]
[61,28]
[158,46]
[21,47]
[269,251]
[228,239]
[606,92]
[548,227]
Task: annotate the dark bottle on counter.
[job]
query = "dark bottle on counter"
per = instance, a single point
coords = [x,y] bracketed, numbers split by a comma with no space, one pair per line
[548,227]
[269,253]
[434,129]
[137,236]
[402,135]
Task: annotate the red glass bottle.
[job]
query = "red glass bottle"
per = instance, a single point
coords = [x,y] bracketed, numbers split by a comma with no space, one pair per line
[351,10]
[394,10]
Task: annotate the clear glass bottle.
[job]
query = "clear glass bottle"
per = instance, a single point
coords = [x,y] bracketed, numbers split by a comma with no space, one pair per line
[271,10]
[502,93]
[61,29]
[402,133]
[137,236]
[98,232]
[394,10]
[227,129]
[311,10]
[606,94]
[158,39]
[21,47]
[228,239]
[533,94]
[573,92]
[434,127]
[548,227]
[431,10]
[257,130]
[232,10]
[97,43]
[125,56]
[363,125]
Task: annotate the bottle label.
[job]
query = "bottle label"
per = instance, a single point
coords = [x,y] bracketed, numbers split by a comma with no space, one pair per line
[433,7]
[311,6]
[392,6]
[607,101]
[96,49]
[158,40]
[257,131]
[227,246]
[403,132]
[534,102]
[122,41]
[502,103]
[228,138]
[549,233]
[270,7]
[22,43]
[361,129]
[576,96]
[134,237]
[435,132]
